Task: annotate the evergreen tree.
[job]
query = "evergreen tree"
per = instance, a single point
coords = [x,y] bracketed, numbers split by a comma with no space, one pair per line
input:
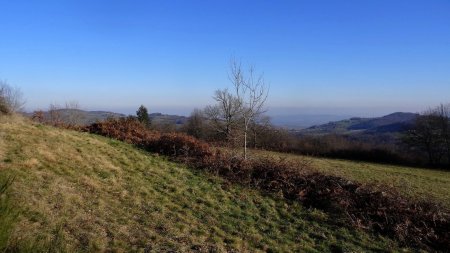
[142,115]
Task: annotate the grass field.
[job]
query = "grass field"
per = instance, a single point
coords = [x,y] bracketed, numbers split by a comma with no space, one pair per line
[78,192]
[424,184]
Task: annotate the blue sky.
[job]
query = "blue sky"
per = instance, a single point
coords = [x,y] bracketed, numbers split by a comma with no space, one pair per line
[362,58]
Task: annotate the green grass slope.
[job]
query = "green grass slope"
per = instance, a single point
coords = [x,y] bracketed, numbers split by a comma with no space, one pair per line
[423,184]
[76,192]
[418,183]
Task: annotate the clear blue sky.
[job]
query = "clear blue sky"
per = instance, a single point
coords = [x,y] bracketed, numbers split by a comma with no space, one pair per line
[348,57]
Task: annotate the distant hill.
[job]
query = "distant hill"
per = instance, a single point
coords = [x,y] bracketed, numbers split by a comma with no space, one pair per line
[385,129]
[84,117]
[301,121]
[159,118]
[395,122]
[89,117]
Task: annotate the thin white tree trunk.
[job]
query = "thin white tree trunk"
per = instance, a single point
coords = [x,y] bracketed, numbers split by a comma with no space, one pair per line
[245,145]
[245,139]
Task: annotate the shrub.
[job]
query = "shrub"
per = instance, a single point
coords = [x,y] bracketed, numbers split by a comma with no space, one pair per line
[4,108]
[38,116]
[125,129]
[180,145]
[11,98]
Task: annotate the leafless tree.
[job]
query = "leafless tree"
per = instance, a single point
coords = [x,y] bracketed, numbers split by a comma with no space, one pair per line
[431,134]
[251,92]
[73,116]
[54,113]
[240,109]
[225,115]
[11,98]
[195,125]
[443,114]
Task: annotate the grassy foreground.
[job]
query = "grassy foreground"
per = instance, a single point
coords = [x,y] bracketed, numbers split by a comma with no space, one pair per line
[423,184]
[78,192]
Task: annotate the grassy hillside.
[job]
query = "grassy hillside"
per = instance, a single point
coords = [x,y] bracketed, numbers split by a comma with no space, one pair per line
[418,183]
[78,192]
[415,182]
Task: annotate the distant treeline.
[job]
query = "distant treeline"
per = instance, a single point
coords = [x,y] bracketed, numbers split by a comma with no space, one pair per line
[426,144]
[332,146]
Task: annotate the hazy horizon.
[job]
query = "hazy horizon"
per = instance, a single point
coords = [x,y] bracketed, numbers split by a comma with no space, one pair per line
[273,111]
[355,58]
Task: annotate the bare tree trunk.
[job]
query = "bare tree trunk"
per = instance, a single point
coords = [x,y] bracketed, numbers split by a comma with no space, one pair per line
[245,145]
[246,104]
[254,138]
[245,139]
[252,93]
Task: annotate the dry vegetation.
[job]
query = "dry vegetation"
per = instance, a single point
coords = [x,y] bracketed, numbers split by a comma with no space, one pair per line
[416,223]
[79,192]
[417,183]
